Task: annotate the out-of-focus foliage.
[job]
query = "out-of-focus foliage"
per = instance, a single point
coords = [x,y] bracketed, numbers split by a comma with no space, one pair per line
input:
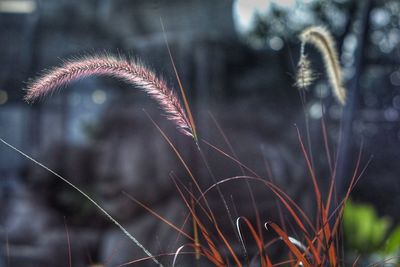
[392,244]
[385,26]
[366,233]
[283,22]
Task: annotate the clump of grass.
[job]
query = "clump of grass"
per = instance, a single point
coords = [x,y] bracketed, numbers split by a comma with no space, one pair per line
[319,242]
[323,41]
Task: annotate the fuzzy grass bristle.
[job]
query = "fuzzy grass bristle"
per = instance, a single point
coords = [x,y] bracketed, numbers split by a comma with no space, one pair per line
[305,75]
[131,72]
[323,41]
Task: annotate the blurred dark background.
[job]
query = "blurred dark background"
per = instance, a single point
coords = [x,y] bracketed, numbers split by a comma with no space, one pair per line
[236,60]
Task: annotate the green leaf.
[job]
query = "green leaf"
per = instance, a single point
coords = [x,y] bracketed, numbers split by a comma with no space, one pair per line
[364,230]
[392,244]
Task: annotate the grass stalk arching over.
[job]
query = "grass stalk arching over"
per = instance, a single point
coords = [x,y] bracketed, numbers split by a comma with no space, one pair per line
[321,38]
[132,72]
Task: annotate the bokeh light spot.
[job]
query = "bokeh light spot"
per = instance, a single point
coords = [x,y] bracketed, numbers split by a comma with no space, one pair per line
[3,97]
[99,97]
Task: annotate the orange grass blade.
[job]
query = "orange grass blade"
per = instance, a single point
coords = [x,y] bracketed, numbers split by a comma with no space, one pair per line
[201,226]
[150,258]
[278,192]
[291,211]
[179,157]
[192,196]
[331,189]
[343,203]
[230,157]
[310,169]
[185,102]
[158,216]
[187,169]
[195,232]
[208,167]
[314,252]
[325,211]
[260,243]
[204,230]
[284,262]
[319,201]
[290,245]
[328,236]
[235,258]
[353,181]
[269,184]
[253,201]
[189,214]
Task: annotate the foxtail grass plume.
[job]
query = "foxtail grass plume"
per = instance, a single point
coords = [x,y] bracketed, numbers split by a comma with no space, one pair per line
[131,72]
[323,41]
[305,75]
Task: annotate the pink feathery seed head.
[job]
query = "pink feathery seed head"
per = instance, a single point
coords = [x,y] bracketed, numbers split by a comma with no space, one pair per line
[131,72]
